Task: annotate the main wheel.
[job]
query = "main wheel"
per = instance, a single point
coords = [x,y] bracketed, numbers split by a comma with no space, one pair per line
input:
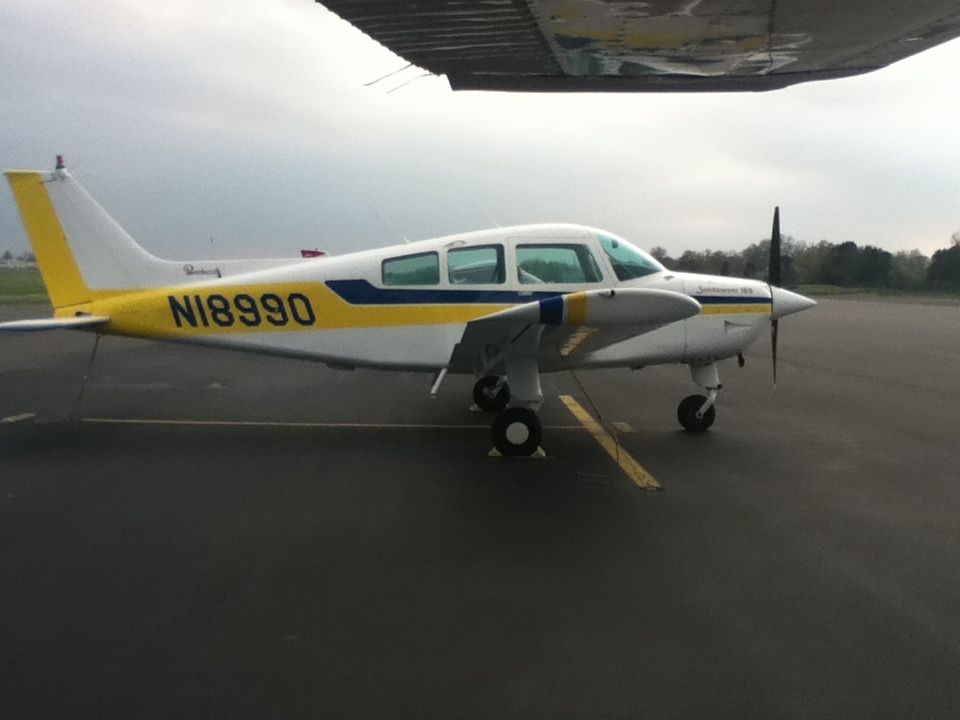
[488,400]
[687,414]
[517,431]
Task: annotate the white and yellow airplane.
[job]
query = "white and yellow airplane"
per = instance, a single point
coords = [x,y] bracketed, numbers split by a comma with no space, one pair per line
[504,304]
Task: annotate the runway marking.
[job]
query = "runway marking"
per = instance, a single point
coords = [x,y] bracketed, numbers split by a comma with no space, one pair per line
[633,470]
[284,424]
[18,418]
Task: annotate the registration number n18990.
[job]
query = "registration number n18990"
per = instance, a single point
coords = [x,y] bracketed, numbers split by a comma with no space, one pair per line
[244,309]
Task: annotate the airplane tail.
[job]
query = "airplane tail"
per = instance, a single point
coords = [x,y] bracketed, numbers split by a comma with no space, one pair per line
[82,252]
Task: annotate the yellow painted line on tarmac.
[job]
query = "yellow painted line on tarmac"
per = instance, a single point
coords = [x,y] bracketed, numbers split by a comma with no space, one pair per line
[283,424]
[633,470]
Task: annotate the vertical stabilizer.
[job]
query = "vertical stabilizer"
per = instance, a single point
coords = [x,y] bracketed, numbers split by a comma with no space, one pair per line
[83,253]
[58,266]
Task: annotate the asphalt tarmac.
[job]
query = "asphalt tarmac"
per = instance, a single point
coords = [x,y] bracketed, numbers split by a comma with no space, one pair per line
[294,541]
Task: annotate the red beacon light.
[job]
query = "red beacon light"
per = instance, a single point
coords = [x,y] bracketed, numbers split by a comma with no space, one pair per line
[60,164]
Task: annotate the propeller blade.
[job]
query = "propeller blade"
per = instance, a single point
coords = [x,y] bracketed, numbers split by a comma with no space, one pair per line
[773,277]
[774,326]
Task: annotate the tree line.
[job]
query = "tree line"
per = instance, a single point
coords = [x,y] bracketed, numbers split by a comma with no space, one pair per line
[824,263]
[25,256]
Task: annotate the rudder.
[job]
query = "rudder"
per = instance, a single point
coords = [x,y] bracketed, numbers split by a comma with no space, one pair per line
[58,267]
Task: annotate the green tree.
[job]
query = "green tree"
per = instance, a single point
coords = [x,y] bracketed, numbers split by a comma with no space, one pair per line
[944,267]
[843,267]
[875,267]
[663,257]
[812,261]
[909,270]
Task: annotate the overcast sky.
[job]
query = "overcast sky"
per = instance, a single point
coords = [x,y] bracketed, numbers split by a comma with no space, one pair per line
[247,121]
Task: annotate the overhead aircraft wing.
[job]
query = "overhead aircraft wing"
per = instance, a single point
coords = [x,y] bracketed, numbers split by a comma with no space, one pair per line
[650,45]
[570,325]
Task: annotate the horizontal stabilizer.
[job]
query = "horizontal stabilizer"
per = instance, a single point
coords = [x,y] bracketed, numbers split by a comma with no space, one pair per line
[74,323]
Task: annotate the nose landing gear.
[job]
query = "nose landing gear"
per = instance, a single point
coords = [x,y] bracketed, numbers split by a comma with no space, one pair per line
[688,410]
[696,413]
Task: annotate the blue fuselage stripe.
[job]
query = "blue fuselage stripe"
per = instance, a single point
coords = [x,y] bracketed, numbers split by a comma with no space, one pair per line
[730,300]
[361,292]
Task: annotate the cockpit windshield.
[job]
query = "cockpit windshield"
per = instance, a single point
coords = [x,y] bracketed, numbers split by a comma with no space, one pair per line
[628,262]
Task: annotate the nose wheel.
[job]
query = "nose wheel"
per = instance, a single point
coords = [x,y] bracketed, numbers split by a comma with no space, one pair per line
[689,409]
[696,413]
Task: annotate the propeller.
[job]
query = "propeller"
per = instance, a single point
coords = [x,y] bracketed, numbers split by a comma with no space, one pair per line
[774,280]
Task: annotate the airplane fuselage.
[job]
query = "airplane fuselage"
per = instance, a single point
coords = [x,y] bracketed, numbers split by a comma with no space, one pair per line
[406,307]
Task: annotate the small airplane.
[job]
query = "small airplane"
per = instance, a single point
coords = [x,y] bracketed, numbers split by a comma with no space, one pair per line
[505,304]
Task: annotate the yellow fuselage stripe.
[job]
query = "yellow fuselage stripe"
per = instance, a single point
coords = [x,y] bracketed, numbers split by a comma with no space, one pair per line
[761,309]
[149,313]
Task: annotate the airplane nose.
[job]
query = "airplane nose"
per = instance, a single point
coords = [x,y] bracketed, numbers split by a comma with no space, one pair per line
[787,303]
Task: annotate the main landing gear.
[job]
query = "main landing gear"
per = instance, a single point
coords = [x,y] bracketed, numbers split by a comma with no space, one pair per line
[491,393]
[516,430]
[696,413]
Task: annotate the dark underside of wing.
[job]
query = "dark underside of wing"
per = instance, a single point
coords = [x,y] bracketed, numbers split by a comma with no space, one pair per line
[653,45]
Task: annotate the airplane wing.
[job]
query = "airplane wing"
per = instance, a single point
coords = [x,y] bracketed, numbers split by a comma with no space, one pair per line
[74,323]
[570,325]
[653,45]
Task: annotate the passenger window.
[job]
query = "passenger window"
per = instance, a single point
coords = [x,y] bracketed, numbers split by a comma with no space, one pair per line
[556,264]
[476,265]
[422,269]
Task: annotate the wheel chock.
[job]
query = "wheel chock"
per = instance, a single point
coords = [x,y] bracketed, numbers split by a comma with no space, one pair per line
[538,454]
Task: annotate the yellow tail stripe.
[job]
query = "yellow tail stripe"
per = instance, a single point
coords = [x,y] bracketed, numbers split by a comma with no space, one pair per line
[57,264]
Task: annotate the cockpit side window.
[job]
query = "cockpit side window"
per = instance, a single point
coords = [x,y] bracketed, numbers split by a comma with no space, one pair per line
[628,262]
[476,265]
[566,263]
[420,269]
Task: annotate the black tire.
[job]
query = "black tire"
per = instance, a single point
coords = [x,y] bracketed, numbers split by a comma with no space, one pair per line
[687,414]
[487,402]
[516,432]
